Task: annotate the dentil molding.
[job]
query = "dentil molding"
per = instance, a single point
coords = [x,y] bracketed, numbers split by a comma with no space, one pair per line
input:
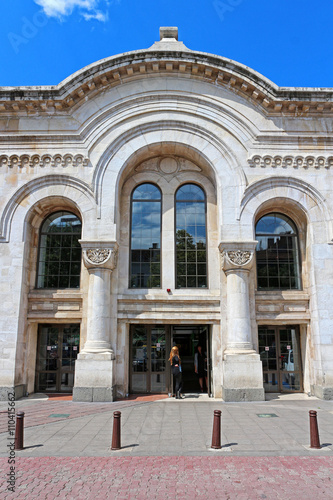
[45,160]
[291,161]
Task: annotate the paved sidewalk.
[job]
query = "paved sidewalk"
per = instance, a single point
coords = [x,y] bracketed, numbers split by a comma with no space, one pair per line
[278,427]
[166,450]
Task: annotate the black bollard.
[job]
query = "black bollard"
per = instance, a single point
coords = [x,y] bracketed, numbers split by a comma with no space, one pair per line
[314,434]
[19,430]
[216,436]
[116,431]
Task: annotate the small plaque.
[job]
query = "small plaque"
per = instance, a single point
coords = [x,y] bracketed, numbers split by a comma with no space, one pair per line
[59,415]
[266,348]
[266,415]
[74,347]
[66,348]
[289,347]
[158,344]
[48,348]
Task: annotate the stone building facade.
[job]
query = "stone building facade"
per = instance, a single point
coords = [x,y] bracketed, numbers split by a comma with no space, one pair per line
[159,197]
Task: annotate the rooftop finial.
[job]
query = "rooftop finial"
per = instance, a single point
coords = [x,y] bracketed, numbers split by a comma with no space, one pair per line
[169,40]
[168,32]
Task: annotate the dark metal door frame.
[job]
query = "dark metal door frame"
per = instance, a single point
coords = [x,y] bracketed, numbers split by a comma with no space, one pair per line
[208,333]
[283,361]
[57,351]
[149,372]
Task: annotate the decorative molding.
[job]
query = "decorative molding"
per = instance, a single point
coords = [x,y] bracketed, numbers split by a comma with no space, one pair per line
[32,187]
[219,71]
[100,254]
[290,161]
[239,257]
[46,160]
[168,166]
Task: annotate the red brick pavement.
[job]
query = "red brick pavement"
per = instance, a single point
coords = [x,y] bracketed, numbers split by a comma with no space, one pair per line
[126,478]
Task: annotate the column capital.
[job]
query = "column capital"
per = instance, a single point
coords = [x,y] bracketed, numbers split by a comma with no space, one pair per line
[237,255]
[99,254]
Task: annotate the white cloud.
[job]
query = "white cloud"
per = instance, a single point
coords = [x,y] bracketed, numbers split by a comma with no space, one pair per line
[99,16]
[60,8]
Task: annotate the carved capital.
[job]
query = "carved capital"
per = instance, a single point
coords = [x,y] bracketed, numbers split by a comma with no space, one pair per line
[100,254]
[237,255]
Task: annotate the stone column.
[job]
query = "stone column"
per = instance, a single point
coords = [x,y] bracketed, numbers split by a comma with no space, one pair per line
[242,368]
[94,366]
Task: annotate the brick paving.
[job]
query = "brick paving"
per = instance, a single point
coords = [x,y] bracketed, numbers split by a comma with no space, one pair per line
[166,450]
[228,478]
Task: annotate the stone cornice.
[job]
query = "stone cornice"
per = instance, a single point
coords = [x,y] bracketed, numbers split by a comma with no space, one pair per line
[291,161]
[116,70]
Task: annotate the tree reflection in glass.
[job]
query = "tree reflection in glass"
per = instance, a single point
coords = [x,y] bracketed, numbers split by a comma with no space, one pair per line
[191,257]
[145,271]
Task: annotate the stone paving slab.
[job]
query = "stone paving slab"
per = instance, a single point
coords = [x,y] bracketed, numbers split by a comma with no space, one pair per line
[182,428]
[38,412]
[127,478]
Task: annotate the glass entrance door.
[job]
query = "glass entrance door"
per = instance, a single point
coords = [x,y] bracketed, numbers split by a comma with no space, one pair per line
[279,349]
[149,368]
[57,350]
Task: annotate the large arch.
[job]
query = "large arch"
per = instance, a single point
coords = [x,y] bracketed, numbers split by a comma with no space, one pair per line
[199,146]
[27,196]
[299,192]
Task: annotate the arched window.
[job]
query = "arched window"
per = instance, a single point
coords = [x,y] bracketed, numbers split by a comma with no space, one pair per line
[277,253]
[191,254]
[59,257]
[145,262]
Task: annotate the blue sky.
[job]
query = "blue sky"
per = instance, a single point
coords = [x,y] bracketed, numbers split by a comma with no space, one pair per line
[288,41]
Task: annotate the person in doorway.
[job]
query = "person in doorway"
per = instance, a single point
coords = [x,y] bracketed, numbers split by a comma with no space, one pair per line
[200,366]
[176,369]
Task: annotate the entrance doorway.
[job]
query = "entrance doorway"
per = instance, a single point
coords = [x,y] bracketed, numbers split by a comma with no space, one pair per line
[279,349]
[57,350]
[149,368]
[187,339]
[150,346]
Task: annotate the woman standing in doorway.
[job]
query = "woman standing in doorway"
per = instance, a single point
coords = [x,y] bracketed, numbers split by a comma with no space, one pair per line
[200,366]
[176,369]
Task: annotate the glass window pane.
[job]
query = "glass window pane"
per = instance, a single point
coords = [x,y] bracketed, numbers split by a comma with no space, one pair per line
[191,236]
[277,253]
[59,247]
[145,237]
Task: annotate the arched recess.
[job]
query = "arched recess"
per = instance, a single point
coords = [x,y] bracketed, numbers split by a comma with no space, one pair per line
[168,138]
[26,211]
[296,198]
[28,196]
[168,166]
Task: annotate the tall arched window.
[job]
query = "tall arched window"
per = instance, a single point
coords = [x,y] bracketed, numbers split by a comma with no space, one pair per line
[145,262]
[191,254]
[59,257]
[277,253]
